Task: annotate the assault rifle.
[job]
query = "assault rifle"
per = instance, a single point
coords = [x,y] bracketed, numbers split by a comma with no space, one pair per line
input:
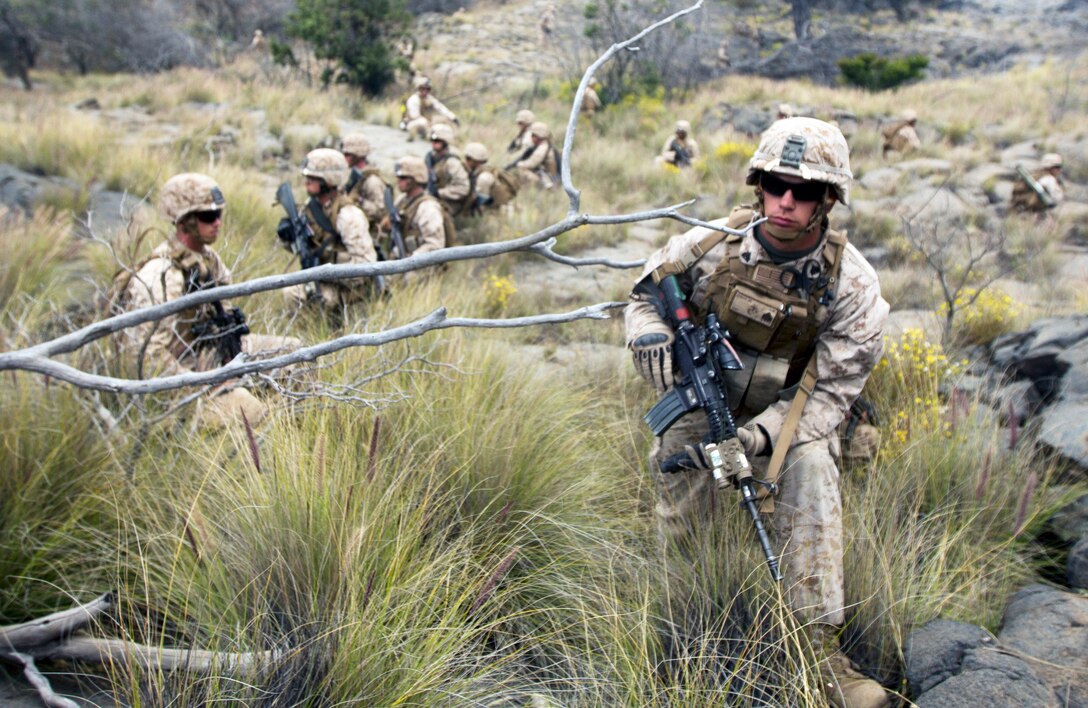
[295,231]
[432,186]
[223,331]
[683,157]
[523,156]
[396,227]
[1033,184]
[704,355]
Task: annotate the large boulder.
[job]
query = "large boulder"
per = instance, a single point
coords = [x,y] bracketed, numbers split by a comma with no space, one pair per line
[1049,629]
[952,664]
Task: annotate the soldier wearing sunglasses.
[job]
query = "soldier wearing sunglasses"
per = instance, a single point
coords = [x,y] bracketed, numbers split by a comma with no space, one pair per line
[199,338]
[805,315]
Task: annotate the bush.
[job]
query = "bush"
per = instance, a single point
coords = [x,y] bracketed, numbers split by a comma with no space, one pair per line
[873,73]
[983,316]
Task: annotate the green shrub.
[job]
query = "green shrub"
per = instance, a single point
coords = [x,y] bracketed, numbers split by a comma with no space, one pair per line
[873,73]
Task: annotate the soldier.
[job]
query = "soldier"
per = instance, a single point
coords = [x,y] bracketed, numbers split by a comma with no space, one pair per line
[1048,181]
[203,337]
[365,186]
[421,108]
[426,225]
[680,149]
[547,20]
[540,165]
[900,136]
[449,176]
[257,44]
[341,233]
[591,102]
[722,57]
[523,140]
[804,307]
[494,188]
[785,110]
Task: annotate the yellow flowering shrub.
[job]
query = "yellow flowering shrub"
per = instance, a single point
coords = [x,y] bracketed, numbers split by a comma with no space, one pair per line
[906,386]
[992,314]
[734,152]
[498,289]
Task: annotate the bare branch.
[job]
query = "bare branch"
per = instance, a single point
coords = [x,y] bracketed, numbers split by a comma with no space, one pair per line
[52,627]
[40,683]
[545,250]
[108,651]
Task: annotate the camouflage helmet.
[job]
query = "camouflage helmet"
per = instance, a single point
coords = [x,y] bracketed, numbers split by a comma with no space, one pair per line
[476,152]
[540,130]
[910,115]
[682,126]
[807,148]
[327,165]
[187,193]
[443,132]
[355,144]
[413,167]
[525,117]
[1051,160]
[785,110]
[420,82]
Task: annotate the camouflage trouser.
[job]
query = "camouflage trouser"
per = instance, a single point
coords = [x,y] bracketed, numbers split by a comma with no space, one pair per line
[807,519]
[332,296]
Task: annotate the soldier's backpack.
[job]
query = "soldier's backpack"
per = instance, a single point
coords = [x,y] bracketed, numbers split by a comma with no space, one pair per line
[505,188]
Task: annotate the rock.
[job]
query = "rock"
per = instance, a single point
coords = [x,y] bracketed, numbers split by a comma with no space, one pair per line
[1076,571]
[1064,428]
[1072,222]
[1023,153]
[1070,523]
[933,207]
[988,677]
[926,166]
[935,651]
[305,135]
[987,175]
[21,190]
[1050,628]
[88,104]
[1017,401]
[751,120]
[883,180]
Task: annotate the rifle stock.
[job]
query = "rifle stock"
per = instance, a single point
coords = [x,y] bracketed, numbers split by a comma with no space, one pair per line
[703,355]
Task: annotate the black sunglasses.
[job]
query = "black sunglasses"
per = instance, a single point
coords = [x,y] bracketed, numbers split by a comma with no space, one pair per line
[210,217]
[802,191]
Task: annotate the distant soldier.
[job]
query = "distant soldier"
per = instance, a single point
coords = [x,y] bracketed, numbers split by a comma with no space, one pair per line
[785,110]
[406,47]
[539,165]
[680,149]
[365,186]
[494,188]
[448,175]
[722,57]
[1041,190]
[421,109]
[523,139]
[591,102]
[341,233]
[900,136]
[426,225]
[547,20]
[205,336]
[258,43]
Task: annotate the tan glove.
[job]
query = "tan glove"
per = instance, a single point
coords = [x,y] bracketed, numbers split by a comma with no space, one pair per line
[754,440]
[653,359]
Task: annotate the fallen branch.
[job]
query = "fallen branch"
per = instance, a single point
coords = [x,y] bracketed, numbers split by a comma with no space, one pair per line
[54,627]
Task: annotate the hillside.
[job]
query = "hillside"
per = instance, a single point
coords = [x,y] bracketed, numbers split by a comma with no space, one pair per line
[465,518]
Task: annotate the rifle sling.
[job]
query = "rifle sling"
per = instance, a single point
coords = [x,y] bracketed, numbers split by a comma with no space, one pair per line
[785,436]
[325,224]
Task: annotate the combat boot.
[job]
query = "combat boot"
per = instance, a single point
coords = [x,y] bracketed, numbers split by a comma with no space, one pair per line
[842,684]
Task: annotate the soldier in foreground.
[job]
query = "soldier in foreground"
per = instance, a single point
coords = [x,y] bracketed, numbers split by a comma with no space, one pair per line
[1040,190]
[538,166]
[338,233]
[365,186]
[203,337]
[680,149]
[425,225]
[422,109]
[524,139]
[806,316]
[900,137]
[449,176]
[494,188]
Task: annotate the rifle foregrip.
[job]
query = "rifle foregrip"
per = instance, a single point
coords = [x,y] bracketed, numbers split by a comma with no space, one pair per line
[680,462]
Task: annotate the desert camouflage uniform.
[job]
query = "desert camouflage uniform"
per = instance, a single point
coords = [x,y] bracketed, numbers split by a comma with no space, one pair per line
[420,111]
[427,227]
[591,102]
[668,154]
[452,180]
[368,193]
[901,137]
[807,518]
[353,246]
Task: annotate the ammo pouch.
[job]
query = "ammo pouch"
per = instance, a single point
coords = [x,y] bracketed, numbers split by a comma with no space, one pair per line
[760,316]
[759,384]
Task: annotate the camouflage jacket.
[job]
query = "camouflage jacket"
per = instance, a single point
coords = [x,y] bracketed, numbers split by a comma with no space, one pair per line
[848,340]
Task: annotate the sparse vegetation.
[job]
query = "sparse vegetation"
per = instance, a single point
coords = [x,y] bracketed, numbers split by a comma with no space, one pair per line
[874,73]
[490,539]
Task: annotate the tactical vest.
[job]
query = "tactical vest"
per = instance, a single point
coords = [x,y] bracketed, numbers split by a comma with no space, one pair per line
[773,312]
[354,187]
[442,179]
[328,242]
[412,237]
